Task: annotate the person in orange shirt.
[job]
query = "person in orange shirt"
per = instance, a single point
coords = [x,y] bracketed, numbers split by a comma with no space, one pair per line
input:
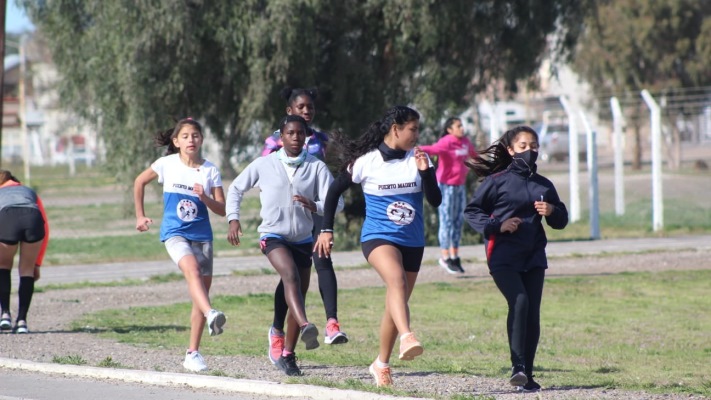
[25,228]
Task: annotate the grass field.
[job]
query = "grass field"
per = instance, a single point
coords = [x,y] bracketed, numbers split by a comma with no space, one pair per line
[628,331]
[92,219]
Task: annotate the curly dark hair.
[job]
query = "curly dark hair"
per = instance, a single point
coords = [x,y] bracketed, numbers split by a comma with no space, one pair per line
[291,94]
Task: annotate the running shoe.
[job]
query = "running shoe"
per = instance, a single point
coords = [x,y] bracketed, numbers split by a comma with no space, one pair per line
[410,347]
[448,265]
[531,386]
[382,375]
[21,327]
[309,335]
[6,322]
[288,365]
[194,362]
[334,334]
[457,264]
[518,377]
[276,345]
[215,321]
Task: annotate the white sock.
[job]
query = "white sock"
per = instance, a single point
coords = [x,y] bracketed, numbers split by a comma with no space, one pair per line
[381,364]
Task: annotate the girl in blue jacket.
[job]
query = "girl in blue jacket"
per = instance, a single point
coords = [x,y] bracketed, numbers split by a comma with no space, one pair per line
[507,209]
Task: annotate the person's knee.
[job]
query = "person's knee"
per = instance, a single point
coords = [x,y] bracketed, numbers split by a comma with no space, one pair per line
[520,302]
[190,268]
[290,278]
[397,284]
[322,264]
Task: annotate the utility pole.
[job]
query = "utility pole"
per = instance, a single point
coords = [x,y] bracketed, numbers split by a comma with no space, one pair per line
[3,6]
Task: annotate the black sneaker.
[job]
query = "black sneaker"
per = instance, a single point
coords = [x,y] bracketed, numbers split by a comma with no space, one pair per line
[448,265]
[288,365]
[309,335]
[531,386]
[518,376]
[457,264]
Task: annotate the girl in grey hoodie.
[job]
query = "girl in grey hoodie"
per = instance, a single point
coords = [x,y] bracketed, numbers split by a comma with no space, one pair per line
[289,179]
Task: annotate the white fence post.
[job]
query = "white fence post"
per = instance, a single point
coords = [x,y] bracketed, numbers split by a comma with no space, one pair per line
[490,110]
[593,193]
[574,162]
[657,195]
[618,123]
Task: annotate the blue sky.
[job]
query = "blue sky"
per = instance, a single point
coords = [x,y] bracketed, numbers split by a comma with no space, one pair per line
[15,19]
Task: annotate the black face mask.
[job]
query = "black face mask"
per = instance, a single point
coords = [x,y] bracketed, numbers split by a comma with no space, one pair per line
[529,157]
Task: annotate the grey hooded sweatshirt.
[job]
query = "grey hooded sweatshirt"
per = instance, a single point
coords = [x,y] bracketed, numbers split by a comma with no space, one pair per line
[280,214]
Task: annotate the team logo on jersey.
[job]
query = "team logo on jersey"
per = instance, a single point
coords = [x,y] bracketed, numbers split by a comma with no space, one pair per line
[401,213]
[187,210]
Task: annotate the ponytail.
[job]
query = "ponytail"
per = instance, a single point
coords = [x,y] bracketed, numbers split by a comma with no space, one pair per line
[165,138]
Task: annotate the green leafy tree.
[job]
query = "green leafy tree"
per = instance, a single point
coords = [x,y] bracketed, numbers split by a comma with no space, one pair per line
[631,45]
[130,66]
[435,55]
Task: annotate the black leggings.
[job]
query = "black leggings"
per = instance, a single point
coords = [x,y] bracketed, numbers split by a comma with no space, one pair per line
[523,292]
[327,285]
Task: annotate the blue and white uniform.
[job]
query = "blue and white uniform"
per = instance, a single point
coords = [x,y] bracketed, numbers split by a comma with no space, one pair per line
[393,198]
[184,214]
[394,190]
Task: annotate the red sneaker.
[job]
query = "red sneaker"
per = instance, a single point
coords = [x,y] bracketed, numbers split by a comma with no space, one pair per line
[334,334]
[276,345]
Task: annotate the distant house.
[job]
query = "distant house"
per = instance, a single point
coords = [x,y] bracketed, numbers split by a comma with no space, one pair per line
[54,136]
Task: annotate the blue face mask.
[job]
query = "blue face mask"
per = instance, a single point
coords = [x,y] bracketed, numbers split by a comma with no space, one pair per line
[529,157]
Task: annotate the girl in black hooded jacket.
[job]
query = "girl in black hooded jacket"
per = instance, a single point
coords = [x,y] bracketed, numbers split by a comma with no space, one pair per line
[507,209]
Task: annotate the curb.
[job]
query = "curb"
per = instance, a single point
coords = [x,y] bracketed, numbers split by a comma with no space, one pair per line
[197,381]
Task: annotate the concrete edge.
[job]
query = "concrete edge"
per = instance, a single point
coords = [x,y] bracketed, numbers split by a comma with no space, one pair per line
[197,381]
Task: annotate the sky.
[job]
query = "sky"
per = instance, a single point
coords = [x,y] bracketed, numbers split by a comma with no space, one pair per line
[15,19]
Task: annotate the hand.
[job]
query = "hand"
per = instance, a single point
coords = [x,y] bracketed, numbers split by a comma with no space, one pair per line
[305,202]
[199,190]
[421,159]
[143,223]
[234,232]
[543,208]
[37,273]
[324,244]
[511,224]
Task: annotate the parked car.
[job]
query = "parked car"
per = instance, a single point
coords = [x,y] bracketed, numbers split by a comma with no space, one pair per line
[554,142]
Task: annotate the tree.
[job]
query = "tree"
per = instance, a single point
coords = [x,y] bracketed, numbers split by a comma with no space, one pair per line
[630,45]
[129,65]
[434,55]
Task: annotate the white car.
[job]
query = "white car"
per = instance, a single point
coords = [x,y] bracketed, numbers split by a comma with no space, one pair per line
[554,142]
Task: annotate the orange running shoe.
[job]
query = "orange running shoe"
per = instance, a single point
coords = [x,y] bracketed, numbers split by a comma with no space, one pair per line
[381,374]
[276,345]
[410,347]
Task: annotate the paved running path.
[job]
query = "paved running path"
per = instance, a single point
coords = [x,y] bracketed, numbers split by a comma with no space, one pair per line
[226,265]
